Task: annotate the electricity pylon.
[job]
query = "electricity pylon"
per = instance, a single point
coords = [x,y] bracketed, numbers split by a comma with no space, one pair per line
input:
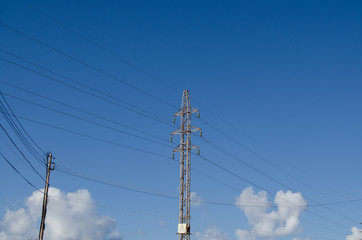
[50,167]
[185,148]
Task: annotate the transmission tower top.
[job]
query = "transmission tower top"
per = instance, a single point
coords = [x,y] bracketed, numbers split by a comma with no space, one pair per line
[185,147]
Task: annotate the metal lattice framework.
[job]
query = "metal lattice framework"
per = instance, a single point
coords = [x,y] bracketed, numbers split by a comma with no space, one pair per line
[185,147]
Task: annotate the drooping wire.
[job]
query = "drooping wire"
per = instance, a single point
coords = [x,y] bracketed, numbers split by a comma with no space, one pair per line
[83,85]
[270,177]
[266,190]
[91,137]
[212,178]
[26,132]
[247,135]
[265,160]
[86,120]
[21,175]
[196,170]
[88,93]
[141,70]
[73,132]
[169,217]
[63,129]
[22,154]
[114,185]
[9,120]
[100,47]
[83,111]
[18,132]
[230,172]
[149,153]
[127,62]
[166,217]
[88,65]
[110,142]
[71,172]
[263,146]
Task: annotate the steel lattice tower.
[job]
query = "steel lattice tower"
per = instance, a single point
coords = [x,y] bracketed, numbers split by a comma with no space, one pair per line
[185,148]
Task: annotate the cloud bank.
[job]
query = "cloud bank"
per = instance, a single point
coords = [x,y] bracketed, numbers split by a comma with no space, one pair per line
[70,216]
[211,234]
[281,222]
[196,200]
[356,234]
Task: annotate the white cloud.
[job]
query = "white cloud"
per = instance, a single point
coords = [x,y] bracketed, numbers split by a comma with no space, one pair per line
[211,234]
[196,200]
[70,216]
[162,223]
[140,232]
[356,234]
[245,234]
[281,222]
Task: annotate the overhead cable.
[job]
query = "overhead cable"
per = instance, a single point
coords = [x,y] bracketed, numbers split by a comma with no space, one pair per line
[87,65]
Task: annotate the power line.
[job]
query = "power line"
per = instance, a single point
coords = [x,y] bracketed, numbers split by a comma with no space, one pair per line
[110,142]
[87,65]
[21,1]
[151,76]
[99,139]
[249,137]
[18,132]
[258,186]
[100,47]
[143,71]
[263,146]
[71,172]
[122,146]
[119,58]
[149,153]
[91,179]
[61,169]
[31,165]
[92,137]
[165,217]
[21,175]
[114,143]
[88,93]
[81,84]
[26,132]
[83,111]
[86,120]
[266,161]
[208,176]
[270,177]
[259,156]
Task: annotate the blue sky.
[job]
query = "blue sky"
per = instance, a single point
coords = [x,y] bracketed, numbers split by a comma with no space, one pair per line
[287,74]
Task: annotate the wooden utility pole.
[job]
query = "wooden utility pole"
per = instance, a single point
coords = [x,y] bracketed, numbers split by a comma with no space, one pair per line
[185,148]
[45,198]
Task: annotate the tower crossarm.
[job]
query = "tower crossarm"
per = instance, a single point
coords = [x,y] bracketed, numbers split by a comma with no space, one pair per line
[184,111]
[182,131]
[179,148]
